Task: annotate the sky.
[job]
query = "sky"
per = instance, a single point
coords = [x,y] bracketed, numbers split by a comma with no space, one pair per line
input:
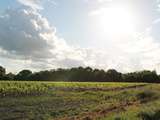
[104,34]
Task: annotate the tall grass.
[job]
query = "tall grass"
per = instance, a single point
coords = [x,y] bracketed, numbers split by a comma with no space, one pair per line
[17,88]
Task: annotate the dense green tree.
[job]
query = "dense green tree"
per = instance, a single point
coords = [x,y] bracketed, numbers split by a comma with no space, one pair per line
[23,75]
[141,76]
[2,72]
[9,76]
[82,74]
[113,75]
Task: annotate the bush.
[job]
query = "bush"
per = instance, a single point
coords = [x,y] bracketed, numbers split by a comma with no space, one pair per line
[150,116]
[146,96]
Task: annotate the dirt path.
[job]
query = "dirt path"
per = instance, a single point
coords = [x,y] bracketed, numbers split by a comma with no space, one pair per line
[100,113]
[101,88]
[97,114]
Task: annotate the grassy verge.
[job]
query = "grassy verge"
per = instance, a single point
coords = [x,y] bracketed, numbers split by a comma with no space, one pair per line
[67,100]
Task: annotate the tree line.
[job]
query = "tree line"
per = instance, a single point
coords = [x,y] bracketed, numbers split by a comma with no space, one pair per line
[81,74]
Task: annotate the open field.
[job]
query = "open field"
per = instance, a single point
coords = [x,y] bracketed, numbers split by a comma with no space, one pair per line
[79,101]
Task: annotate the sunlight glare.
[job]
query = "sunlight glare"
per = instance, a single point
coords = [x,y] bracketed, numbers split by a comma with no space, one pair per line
[115,20]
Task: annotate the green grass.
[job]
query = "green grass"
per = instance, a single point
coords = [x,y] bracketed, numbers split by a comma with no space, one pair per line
[36,88]
[68,100]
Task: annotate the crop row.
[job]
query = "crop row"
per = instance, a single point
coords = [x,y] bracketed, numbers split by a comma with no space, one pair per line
[10,88]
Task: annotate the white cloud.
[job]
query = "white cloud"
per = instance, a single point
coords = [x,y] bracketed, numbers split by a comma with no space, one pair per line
[29,41]
[99,1]
[34,4]
[28,36]
[129,52]
[26,33]
[104,1]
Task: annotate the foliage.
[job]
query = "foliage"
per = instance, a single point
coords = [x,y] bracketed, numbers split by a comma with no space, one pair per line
[18,88]
[150,116]
[23,75]
[66,100]
[2,72]
[81,74]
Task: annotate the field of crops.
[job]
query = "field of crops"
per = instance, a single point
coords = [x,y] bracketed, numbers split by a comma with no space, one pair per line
[79,101]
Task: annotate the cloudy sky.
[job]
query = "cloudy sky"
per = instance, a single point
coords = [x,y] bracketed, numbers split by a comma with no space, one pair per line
[46,34]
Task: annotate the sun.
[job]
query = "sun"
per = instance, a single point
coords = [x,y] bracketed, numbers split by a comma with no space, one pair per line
[115,20]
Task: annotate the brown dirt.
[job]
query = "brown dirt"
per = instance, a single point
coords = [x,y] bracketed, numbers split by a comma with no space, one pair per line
[100,113]
[101,88]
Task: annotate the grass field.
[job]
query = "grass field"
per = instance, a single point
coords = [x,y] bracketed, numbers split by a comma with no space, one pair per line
[79,101]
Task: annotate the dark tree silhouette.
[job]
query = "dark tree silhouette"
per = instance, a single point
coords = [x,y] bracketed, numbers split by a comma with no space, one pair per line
[9,76]
[23,75]
[2,72]
[82,74]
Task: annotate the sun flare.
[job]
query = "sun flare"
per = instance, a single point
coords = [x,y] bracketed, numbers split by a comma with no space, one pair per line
[115,20]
